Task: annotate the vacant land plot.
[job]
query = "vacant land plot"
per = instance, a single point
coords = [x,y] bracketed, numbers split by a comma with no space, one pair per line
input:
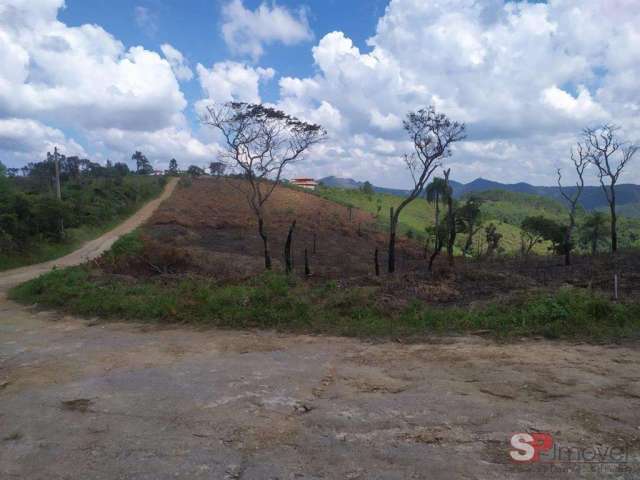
[211,225]
[207,228]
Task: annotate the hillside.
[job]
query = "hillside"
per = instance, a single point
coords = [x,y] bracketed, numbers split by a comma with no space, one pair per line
[503,208]
[592,198]
[199,259]
[506,210]
[211,230]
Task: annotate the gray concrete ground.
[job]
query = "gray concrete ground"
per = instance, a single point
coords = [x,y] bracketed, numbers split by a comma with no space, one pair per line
[81,399]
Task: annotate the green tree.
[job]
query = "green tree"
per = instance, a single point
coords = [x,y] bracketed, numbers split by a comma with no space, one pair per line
[143,165]
[537,229]
[217,168]
[592,231]
[436,191]
[195,171]
[367,188]
[469,220]
[173,168]
[493,238]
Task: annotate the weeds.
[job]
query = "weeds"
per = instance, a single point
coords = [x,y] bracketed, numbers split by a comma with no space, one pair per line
[281,302]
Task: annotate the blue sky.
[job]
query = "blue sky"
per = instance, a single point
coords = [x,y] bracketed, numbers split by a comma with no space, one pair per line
[103,78]
[193,27]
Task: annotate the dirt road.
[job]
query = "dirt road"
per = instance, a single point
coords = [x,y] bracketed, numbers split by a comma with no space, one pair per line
[87,400]
[89,250]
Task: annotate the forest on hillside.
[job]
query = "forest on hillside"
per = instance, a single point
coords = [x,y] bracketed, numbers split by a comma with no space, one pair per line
[36,224]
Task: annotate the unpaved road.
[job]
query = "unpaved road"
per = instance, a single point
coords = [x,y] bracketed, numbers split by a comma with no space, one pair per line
[89,250]
[87,400]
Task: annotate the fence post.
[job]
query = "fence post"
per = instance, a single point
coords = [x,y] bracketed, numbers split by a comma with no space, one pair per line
[307,271]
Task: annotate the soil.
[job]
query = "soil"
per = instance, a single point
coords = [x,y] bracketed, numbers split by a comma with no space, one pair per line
[211,222]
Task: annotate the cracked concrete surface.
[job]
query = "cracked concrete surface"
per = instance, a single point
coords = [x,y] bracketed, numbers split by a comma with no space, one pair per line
[130,401]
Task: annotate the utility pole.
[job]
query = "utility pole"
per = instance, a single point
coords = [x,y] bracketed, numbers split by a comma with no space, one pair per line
[56,163]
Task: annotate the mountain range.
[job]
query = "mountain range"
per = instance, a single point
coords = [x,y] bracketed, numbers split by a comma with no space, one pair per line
[592,198]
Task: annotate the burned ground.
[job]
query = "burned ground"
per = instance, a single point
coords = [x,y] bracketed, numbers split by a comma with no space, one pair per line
[206,228]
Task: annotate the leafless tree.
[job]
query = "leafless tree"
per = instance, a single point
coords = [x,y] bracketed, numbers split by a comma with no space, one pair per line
[610,156]
[261,141]
[580,159]
[432,135]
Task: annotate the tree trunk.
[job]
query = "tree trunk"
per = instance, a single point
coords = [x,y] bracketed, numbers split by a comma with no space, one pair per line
[287,248]
[451,230]
[56,162]
[435,253]
[376,263]
[437,246]
[614,221]
[567,241]
[307,270]
[469,242]
[265,241]
[391,267]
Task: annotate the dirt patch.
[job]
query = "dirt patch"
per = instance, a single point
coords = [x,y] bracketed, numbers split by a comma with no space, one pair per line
[224,404]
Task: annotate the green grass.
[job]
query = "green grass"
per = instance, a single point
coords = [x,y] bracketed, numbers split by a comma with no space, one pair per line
[43,250]
[505,209]
[275,301]
[420,214]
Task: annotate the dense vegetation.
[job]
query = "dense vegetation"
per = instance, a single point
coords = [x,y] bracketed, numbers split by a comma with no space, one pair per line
[35,226]
[506,210]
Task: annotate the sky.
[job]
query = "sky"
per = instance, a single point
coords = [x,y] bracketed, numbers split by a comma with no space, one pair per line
[104,78]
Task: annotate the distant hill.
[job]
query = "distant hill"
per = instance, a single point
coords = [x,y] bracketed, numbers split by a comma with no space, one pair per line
[350,183]
[593,198]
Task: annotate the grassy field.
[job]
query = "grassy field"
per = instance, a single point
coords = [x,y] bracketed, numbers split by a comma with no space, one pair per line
[275,301]
[505,209]
[92,225]
[506,214]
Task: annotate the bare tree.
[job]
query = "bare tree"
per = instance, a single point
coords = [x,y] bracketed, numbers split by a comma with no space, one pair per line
[580,159]
[432,135]
[610,156]
[260,142]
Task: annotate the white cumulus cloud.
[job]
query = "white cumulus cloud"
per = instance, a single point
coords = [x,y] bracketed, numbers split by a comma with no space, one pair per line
[56,78]
[177,61]
[526,78]
[246,32]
